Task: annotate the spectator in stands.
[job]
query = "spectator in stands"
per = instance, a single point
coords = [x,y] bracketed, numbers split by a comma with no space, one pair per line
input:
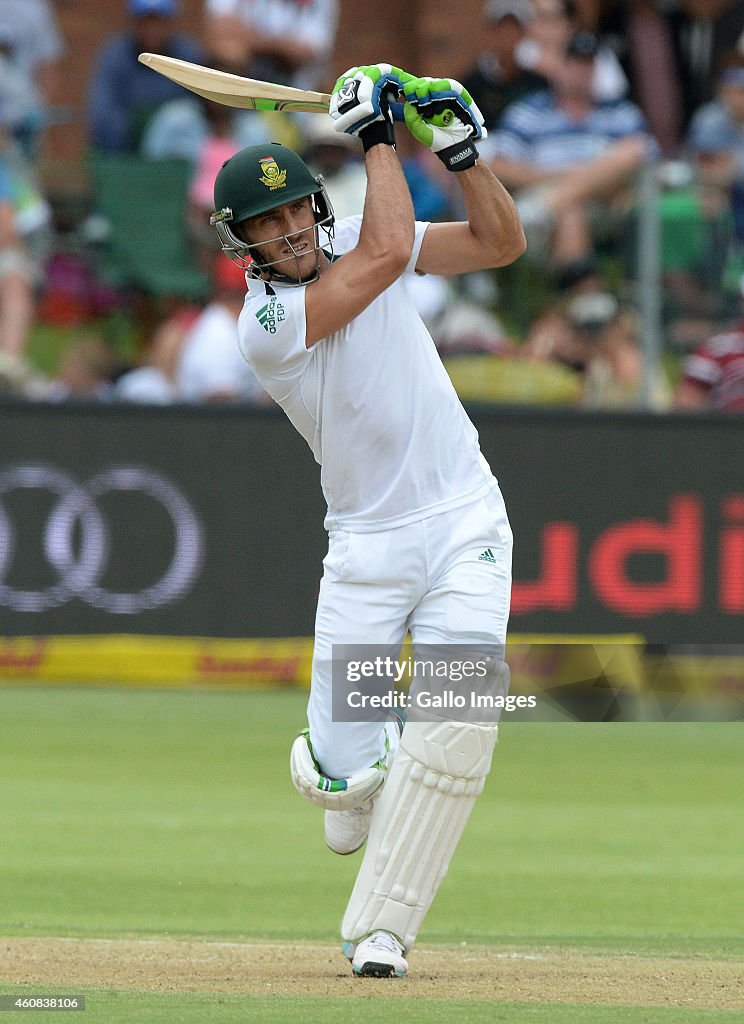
[614,374]
[124,94]
[671,52]
[16,293]
[286,41]
[543,48]
[558,335]
[19,379]
[643,34]
[21,105]
[716,138]
[713,375]
[84,372]
[498,78]
[560,148]
[589,332]
[705,32]
[24,219]
[31,47]
[339,159]
[153,382]
[187,127]
[206,134]
[210,367]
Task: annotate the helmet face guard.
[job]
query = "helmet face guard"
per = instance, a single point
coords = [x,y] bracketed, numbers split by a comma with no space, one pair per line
[259,179]
[247,256]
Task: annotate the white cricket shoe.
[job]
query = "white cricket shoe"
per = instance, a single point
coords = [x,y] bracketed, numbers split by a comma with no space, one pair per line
[346,831]
[380,955]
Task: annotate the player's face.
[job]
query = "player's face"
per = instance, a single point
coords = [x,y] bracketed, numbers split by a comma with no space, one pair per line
[286,234]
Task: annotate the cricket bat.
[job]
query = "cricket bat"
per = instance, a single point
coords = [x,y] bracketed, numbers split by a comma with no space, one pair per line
[234,90]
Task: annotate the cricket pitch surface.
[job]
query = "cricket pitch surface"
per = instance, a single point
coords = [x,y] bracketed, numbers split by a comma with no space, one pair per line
[461,972]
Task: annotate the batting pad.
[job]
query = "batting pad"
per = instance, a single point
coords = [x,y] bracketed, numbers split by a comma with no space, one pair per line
[438,772]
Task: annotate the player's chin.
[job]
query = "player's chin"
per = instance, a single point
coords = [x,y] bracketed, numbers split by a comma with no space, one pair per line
[299,267]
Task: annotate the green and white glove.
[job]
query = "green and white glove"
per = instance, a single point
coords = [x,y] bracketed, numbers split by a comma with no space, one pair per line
[360,102]
[441,114]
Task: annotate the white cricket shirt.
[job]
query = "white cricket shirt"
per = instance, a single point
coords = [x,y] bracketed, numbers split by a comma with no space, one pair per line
[372,400]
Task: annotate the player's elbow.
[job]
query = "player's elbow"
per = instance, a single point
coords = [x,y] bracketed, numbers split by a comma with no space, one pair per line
[507,250]
[516,247]
[391,260]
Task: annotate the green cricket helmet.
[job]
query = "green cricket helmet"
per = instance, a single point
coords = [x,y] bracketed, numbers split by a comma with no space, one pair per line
[258,179]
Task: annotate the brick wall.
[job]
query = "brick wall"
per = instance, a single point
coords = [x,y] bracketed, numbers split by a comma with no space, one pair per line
[432,38]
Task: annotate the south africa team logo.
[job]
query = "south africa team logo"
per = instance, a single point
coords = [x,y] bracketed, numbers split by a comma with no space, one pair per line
[271,176]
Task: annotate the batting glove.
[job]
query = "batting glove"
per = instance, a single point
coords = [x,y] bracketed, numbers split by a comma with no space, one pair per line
[360,102]
[441,114]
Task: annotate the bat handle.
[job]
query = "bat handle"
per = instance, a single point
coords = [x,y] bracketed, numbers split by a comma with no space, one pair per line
[396,108]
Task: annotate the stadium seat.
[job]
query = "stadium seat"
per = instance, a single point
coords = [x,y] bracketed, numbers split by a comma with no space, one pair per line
[144,203]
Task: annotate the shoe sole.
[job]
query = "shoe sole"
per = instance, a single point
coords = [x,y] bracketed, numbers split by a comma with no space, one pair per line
[346,853]
[371,969]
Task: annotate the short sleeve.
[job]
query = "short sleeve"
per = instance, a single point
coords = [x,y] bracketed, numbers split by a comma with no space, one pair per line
[418,240]
[347,236]
[271,338]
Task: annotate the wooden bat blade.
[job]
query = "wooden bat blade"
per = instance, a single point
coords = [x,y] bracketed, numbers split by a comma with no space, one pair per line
[234,90]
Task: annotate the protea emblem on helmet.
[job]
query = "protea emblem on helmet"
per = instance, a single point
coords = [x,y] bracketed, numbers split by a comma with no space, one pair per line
[271,175]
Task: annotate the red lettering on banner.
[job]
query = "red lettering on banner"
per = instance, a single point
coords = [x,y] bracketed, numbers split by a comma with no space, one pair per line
[555,589]
[731,556]
[17,656]
[274,668]
[679,541]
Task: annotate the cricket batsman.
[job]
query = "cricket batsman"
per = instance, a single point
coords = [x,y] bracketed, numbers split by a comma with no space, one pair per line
[419,538]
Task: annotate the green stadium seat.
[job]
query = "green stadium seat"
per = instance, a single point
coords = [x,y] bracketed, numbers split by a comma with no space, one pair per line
[144,202]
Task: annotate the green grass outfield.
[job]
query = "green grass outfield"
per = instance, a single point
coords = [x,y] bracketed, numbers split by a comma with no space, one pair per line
[171,814]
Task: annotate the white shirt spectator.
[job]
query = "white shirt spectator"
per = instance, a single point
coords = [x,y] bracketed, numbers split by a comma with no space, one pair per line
[146,384]
[29,28]
[312,23]
[211,367]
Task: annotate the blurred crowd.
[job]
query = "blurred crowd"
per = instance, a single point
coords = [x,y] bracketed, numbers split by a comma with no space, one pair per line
[582,100]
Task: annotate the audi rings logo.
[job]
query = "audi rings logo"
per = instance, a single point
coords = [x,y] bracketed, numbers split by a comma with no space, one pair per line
[76,540]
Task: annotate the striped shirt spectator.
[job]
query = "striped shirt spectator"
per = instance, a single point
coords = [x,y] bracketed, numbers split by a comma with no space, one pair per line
[538,131]
[564,150]
[714,374]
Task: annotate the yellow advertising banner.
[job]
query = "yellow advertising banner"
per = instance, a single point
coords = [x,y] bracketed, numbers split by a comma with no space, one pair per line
[129,660]
[536,662]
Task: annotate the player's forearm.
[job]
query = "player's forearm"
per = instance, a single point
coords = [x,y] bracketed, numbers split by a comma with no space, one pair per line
[388,221]
[492,216]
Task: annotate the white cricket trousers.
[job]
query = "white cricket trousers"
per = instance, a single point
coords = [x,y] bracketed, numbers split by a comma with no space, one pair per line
[427,577]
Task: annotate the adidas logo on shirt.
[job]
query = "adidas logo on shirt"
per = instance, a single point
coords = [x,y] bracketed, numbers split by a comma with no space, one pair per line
[487,556]
[271,315]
